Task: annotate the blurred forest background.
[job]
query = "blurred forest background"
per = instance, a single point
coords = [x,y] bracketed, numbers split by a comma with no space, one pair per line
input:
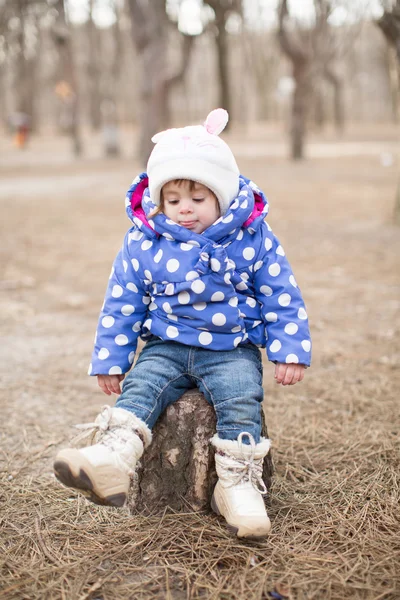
[66,65]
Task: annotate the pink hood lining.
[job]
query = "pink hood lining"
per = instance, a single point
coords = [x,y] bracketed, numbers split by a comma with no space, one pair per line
[137,210]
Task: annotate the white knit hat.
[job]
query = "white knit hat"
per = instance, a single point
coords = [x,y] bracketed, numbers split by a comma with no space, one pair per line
[197,153]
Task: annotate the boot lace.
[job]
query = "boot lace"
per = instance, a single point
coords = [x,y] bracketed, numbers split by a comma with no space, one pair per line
[100,431]
[247,468]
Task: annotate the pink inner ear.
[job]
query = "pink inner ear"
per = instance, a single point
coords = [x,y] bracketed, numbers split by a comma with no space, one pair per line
[216,121]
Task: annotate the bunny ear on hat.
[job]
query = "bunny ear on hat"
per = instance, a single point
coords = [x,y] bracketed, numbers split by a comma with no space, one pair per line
[216,121]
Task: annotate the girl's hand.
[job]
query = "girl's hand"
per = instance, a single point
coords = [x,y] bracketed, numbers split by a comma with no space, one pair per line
[110,383]
[289,374]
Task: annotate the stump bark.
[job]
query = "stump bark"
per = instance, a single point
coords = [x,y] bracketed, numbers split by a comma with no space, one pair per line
[177,470]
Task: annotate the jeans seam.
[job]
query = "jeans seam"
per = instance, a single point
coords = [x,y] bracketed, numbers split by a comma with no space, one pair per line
[205,385]
[163,389]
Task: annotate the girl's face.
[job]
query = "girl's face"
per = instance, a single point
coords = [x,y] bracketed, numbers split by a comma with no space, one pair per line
[190,204]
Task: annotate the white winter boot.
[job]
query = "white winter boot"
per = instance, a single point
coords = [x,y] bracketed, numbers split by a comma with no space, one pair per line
[102,471]
[238,495]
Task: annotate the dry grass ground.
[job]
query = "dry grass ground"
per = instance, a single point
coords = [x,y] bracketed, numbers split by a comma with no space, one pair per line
[335,498]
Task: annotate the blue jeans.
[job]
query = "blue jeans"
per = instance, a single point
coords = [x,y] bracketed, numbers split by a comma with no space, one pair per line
[231,382]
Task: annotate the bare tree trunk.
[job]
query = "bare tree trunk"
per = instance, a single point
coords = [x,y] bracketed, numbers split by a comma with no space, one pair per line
[177,470]
[62,37]
[301,63]
[93,71]
[150,27]
[338,103]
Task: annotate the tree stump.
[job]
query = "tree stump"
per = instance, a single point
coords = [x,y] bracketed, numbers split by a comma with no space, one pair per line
[178,469]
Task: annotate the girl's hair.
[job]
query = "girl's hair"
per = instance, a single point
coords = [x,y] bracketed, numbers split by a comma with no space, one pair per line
[160,208]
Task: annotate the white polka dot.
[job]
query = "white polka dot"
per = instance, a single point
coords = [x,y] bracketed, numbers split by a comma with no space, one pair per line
[268,244]
[228,218]
[240,235]
[291,328]
[292,358]
[103,353]
[131,357]
[198,286]
[146,244]
[227,277]
[115,370]
[233,301]
[249,253]
[266,290]
[125,265]
[280,251]
[170,222]
[90,369]
[147,323]
[242,286]
[172,265]
[108,322]
[186,246]
[117,291]
[192,275]
[172,332]
[169,289]
[172,317]
[271,317]
[194,243]
[217,297]
[293,281]
[218,319]
[158,256]
[135,263]
[121,340]
[244,204]
[302,314]
[183,297]
[137,326]
[306,344]
[258,265]
[148,275]
[205,338]
[275,346]
[256,323]
[136,235]
[244,276]
[152,306]
[150,221]
[236,329]
[274,269]
[168,237]
[127,309]
[132,287]
[237,340]
[215,265]
[146,299]
[199,305]
[251,302]
[284,299]
[167,307]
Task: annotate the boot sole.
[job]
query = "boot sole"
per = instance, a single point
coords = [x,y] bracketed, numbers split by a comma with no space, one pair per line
[83,483]
[232,528]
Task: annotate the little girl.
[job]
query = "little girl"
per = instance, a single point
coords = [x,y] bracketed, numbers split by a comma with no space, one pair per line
[203,279]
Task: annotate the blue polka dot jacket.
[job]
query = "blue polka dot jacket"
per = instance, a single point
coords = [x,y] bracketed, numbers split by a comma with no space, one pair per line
[228,286]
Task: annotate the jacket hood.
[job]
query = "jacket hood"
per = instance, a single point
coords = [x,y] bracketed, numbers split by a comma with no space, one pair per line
[248,210]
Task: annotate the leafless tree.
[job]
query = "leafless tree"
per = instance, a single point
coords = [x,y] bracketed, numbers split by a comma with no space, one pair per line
[62,40]
[297,47]
[150,32]
[93,70]
[223,9]
[389,23]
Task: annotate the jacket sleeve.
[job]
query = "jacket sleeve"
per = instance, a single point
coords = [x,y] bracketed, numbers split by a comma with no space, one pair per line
[122,314]
[282,306]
